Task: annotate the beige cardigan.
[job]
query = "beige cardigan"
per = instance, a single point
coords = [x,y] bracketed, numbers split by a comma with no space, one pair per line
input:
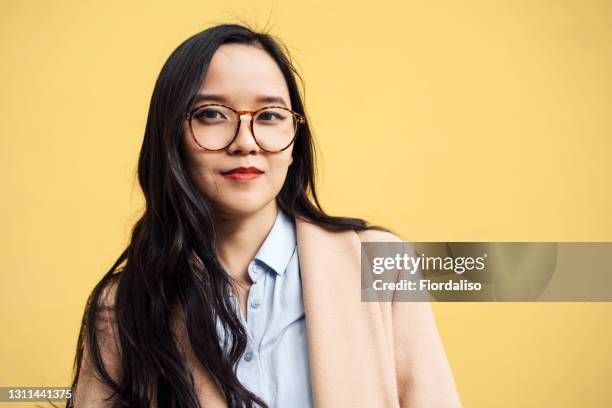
[362,354]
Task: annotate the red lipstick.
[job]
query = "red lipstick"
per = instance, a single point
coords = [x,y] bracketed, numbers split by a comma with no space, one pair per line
[242,173]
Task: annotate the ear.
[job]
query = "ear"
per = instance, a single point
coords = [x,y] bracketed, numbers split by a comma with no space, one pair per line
[291,160]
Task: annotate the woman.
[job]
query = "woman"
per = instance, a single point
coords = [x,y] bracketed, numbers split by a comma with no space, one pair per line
[236,289]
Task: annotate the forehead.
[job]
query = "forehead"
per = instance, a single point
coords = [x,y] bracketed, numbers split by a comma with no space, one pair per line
[242,74]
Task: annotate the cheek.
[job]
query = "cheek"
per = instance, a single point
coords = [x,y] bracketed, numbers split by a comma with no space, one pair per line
[199,166]
[278,171]
[203,177]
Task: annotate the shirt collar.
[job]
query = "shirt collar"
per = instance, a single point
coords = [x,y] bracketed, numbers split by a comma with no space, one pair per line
[279,245]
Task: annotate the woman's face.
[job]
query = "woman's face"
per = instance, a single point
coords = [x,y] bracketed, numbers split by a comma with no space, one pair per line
[240,76]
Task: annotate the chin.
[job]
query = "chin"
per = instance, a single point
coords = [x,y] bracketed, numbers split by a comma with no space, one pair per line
[241,205]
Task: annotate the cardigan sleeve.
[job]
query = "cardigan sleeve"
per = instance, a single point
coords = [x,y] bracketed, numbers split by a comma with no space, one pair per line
[423,374]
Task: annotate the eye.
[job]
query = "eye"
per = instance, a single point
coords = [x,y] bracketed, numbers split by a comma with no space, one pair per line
[271,115]
[210,115]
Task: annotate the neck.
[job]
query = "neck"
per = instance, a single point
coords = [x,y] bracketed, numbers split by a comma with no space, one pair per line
[239,237]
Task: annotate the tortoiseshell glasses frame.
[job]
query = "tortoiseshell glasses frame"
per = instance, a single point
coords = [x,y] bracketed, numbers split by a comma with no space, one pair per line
[298,120]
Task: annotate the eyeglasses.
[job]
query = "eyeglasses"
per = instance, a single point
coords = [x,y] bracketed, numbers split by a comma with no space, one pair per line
[215,126]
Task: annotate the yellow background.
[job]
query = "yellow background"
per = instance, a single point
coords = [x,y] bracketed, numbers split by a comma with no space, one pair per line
[443,120]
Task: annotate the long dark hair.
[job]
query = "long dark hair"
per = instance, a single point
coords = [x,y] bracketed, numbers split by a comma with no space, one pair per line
[171,259]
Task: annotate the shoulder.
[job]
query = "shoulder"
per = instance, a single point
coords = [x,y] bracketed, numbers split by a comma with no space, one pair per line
[108,292]
[105,307]
[310,234]
[387,244]
[374,235]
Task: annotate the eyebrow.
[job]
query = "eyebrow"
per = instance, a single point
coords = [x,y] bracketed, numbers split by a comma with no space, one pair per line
[222,99]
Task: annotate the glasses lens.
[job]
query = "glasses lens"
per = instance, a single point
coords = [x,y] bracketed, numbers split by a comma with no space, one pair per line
[274,128]
[213,126]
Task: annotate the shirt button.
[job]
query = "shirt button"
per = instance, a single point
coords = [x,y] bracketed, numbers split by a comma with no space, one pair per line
[248,356]
[256,269]
[255,304]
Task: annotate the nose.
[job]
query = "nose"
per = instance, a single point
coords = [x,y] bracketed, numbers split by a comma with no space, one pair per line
[244,142]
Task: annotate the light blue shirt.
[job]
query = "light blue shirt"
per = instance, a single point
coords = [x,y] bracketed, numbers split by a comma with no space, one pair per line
[275,363]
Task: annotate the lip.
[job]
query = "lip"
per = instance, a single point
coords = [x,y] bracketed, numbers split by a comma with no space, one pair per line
[242,173]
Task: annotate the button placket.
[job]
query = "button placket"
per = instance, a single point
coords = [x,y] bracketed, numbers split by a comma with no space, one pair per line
[256,295]
[249,369]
